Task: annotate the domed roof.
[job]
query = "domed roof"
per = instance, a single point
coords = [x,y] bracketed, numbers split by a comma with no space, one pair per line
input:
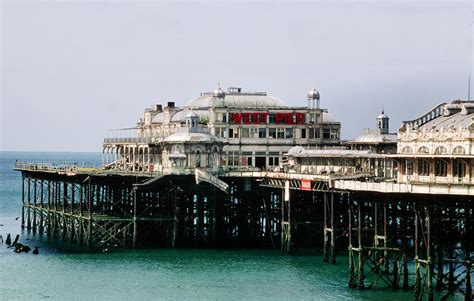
[191,114]
[328,118]
[181,115]
[190,137]
[257,100]
[313,94]
[219,92]
[376,137]
[382,115]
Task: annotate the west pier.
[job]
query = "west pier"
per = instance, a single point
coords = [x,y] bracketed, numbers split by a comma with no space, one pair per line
[399,205]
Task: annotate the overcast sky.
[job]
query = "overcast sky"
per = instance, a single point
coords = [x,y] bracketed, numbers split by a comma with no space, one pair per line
[72,69]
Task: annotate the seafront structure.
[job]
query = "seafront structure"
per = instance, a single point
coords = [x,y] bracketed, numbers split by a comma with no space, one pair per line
[191,177]
[255,130]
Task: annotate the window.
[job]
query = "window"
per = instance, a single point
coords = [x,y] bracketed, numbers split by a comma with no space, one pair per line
[289,133]
[407,150]
[217,132]
[423,168]
[253,133]
[245,133]
[459,168]
[231,133]
[459,150]
[280,133]
[441,150]
[224,117]
[223,133]
[272,118]
[409,168]
[262,133]
[441,168]
[273,161]
[272,133]
[326,133]
[303,133]
[334,134]
[423,150]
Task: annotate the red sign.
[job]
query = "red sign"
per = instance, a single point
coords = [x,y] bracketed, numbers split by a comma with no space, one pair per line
[306,185]
[267,118]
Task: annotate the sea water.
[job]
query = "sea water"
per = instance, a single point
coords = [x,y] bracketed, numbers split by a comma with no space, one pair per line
[68,272]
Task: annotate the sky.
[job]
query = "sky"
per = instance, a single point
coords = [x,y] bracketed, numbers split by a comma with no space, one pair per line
[70,70]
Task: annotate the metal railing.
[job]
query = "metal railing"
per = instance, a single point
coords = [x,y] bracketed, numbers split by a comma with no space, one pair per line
[46,167]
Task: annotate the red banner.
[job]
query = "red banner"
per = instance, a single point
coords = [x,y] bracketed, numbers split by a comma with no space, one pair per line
[306,185]
[267,118]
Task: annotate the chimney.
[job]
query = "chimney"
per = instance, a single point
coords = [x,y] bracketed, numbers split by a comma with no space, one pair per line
[170,104]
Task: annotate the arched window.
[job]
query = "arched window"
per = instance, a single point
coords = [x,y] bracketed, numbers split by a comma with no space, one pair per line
[423,150]
[441,168]
[441,150]
[459,150]
[459,169]
[423,167]
[407,150]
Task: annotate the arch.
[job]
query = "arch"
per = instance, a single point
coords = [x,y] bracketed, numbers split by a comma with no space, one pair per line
[441,150]
[423,150]
[459,150]
[407,150]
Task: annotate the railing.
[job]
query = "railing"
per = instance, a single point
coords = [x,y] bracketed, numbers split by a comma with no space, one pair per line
[46,167]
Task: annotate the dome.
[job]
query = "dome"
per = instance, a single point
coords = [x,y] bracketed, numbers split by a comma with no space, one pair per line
[382,115]
[181,115]
[190,137]
[313,94]
[191,114]
[247,100]
[219,93]
[328,118]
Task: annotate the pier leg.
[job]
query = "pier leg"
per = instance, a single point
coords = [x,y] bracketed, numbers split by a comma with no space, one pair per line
[22,202]
[429,264]
[286,221]
[333,234]
[34,205]
[41,223]
[326,228]
[360,272]
[404,225]
[467,251]
[28,221]
[417,287]
[135,224]
[352,280]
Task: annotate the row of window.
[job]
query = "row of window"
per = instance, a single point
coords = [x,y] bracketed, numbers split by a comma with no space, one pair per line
[441,150]
[440,168]
[276,133]
[311,118]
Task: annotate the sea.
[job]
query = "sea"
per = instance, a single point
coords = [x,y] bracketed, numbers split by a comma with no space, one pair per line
[64,271]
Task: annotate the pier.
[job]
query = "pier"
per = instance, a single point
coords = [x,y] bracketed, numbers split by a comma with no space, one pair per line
[400,205]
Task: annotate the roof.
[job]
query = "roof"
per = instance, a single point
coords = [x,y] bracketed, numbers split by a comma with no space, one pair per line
[190,137]
[328,118]
[236,100]
[376,137]
[299,151]
[181,115]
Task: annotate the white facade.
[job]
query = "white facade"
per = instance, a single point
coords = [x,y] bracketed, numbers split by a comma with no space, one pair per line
[254,129]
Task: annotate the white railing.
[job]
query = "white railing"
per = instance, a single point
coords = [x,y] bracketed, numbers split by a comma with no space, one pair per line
[46,167]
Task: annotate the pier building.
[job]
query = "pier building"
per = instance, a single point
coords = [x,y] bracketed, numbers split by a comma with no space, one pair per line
[255,130]
[406,218]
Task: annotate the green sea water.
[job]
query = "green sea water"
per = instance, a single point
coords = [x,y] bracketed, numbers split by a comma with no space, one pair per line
[67,272]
